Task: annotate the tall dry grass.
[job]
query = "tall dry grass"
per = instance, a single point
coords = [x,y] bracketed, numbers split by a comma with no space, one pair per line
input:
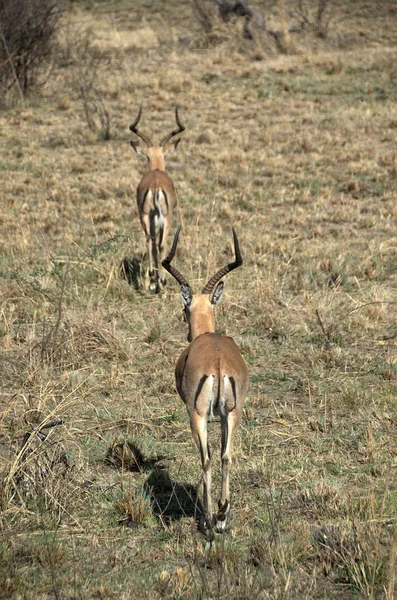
[296,151]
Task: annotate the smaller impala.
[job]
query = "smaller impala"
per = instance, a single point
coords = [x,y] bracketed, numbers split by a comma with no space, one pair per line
[156,197]
[211,378]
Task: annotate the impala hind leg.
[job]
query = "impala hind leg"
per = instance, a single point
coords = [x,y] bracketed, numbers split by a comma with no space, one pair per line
[149,227]
[198,426]
[164,232]
[145,222]
[229,423]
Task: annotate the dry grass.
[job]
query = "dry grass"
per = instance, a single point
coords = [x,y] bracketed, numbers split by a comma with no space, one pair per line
[297,152]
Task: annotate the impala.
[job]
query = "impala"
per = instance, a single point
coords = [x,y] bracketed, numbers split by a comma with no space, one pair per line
[211,378]
[156,197]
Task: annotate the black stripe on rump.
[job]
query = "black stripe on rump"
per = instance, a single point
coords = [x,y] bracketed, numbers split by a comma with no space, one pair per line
[233,384]
[199,388]
[166,200]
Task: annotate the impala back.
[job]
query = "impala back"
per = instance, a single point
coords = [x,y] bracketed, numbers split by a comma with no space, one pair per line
[156,193]
[211,375]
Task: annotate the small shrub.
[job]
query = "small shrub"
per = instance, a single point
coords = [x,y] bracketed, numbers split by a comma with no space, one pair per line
[27,40]
[89,71]
[315,16]
[135,508]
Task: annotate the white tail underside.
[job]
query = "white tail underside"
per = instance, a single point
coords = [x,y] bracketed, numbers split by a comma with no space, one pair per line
[219,407]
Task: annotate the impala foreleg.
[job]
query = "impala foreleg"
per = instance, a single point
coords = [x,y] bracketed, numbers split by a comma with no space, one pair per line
[198,426]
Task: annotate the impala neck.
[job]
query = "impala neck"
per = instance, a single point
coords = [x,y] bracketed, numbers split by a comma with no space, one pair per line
[201,316]
[157,160]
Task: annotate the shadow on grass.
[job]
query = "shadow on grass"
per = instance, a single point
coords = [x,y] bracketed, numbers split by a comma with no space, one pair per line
[127,456]
[131,270]
[170,500]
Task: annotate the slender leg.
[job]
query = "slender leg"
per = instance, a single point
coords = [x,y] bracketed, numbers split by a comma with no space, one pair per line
[148,224]
[229,424]
[145,222]
[199,431]
[154,276]
[163,241]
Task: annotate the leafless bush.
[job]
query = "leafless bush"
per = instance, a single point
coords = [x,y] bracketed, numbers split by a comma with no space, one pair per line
[228,12]
[94,107]
[28,31]
[316,18]
[87,67]
[203,16]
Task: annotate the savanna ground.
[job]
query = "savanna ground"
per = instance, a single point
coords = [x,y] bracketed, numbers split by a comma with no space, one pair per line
[292,143]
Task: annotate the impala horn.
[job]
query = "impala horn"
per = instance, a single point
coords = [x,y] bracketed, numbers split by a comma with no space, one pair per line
[138,133]
[207,289]
[181,128]
[167,261]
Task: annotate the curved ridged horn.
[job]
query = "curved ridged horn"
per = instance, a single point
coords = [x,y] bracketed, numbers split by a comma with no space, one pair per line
[181,128]
[167,261]
[207,289]
[138,133]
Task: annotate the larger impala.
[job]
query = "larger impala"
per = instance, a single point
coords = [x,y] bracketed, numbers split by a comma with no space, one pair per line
[211,378]
[156,197]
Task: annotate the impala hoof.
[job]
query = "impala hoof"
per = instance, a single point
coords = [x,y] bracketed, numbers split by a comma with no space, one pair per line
[155,288]
[205,523]
[220,526]
[223,516]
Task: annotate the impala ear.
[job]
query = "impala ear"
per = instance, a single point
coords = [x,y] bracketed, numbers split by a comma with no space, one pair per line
[138,149]
[135,145]
[172,147]
[186,295]
[217,294]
